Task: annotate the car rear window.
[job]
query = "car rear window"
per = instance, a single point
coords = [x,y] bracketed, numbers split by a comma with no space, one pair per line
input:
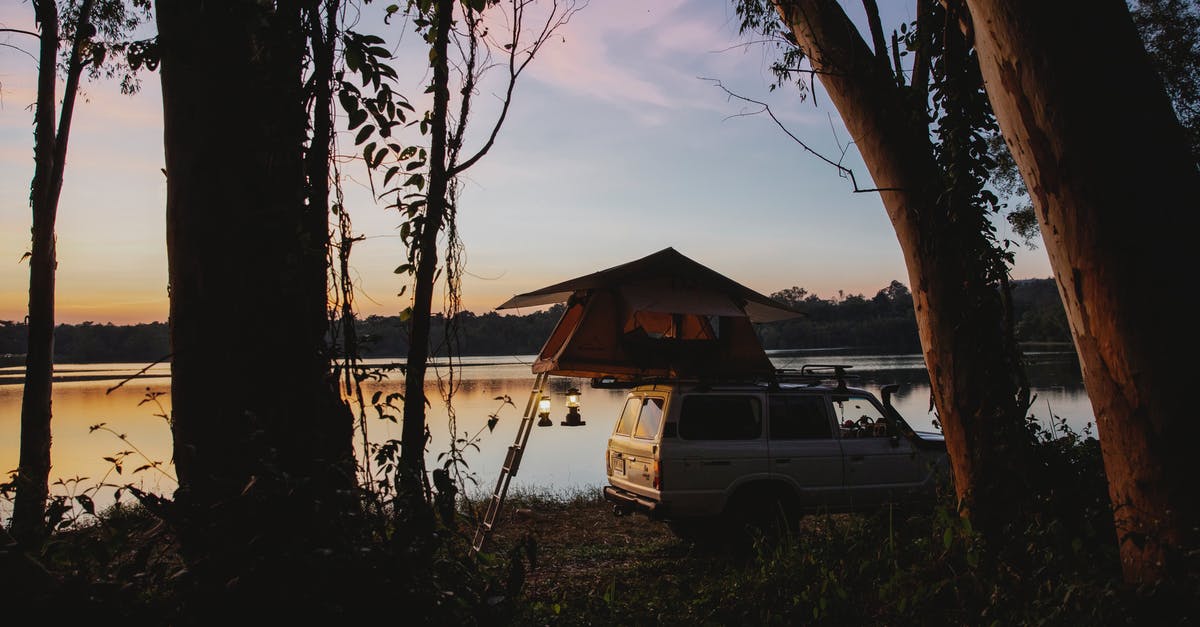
[628,416]
[799,418]
[720,417]
[651,417]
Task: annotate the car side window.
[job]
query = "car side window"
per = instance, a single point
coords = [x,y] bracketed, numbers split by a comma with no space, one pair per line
[720,417]
[858,417]
[629,416]
[799,418]
[651,418]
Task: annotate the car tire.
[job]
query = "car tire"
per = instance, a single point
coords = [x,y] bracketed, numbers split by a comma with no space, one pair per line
[769,512]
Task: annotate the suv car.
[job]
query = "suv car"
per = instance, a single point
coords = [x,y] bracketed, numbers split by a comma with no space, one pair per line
[697,453]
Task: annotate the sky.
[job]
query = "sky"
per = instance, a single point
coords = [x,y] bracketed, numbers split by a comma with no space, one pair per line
[616,146]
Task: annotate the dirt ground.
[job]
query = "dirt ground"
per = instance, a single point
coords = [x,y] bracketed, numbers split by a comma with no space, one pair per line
[580,545]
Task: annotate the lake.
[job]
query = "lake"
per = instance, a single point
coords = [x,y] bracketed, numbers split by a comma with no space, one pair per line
[558,459]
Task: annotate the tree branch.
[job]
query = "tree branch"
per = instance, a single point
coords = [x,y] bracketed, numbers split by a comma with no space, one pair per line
[765,108]
[876,26]
[553,22]
[83,31]
[920,78]
[21,31]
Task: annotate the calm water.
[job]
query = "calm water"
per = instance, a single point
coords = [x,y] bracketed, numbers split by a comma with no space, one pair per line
[558,459]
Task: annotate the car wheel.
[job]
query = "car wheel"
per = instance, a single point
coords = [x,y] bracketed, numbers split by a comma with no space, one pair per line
[766,512]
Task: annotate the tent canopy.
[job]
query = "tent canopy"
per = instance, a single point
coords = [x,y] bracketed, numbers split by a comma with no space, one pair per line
[661,316]
[668,277]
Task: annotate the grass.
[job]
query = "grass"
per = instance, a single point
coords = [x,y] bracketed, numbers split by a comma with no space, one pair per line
[563,558]
[585,566]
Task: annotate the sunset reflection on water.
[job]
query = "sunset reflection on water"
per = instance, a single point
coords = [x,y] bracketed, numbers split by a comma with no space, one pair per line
[558,459]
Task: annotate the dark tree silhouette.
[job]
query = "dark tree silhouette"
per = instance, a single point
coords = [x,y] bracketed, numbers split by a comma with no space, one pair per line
[265,465]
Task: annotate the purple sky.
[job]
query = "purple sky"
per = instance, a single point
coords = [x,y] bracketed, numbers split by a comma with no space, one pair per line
[614,148]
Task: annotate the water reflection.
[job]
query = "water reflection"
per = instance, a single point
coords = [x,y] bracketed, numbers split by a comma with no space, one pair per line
[557,459]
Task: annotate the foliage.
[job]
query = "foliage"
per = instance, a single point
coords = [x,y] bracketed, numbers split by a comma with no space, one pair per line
[1170,29]
[111,51]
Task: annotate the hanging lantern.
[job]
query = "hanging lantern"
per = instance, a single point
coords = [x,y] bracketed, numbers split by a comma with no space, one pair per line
[573,419]
[544,411]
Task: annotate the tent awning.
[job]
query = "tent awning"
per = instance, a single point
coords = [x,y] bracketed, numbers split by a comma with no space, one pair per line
[666,281]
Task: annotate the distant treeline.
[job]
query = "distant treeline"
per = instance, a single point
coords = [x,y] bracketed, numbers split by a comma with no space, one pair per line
[885,322]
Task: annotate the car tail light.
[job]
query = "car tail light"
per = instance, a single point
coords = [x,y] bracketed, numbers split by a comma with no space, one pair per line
[608,462]
[657,475]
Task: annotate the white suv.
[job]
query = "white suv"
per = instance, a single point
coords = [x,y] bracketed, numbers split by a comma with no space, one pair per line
[693,454]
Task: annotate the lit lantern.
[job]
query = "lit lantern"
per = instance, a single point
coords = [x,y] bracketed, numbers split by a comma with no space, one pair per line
[573,418]
[544,411]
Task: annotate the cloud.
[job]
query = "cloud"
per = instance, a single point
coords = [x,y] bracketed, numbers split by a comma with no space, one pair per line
[637,56]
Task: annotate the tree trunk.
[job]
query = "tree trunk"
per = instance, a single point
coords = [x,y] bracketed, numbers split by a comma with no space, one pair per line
[1118,198]
[413,437]
[33,473]
[958,311]
[50,158]
[262,439]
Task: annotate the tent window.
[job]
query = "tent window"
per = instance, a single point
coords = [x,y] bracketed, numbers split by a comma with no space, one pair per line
[720,417]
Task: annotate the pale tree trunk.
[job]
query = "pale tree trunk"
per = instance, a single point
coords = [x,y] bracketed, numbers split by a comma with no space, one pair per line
[50,152]
[1117,196]
[959,315]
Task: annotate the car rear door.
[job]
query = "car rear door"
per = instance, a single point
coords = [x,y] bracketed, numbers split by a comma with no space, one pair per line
[719,444]
[804,451]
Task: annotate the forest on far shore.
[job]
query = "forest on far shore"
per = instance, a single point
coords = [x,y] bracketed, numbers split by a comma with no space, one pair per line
[884,322]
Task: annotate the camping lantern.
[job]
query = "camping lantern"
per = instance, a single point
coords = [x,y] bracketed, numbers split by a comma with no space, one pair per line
[573,418]
[544,412]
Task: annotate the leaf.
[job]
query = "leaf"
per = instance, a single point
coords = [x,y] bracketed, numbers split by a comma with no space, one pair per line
[354,58]
[363,134]
[375,397]
[86,503]
[357,116]
[406,268]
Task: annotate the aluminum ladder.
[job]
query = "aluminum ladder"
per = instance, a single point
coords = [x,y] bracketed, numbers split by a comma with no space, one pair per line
[512,462]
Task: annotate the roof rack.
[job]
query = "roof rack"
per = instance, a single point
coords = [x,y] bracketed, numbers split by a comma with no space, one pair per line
[816,374]
[809,374]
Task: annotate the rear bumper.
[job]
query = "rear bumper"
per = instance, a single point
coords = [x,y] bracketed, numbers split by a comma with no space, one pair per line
[630,502]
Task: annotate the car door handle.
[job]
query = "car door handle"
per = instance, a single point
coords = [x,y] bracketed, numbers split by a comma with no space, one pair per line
[857,458]
[715,463]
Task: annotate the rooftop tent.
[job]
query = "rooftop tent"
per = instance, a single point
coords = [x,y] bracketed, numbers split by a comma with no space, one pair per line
[660,316]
